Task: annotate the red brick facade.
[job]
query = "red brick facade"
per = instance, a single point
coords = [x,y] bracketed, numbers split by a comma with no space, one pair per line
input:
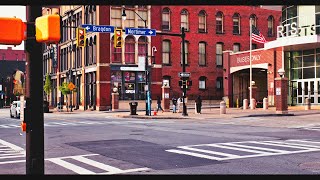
[10,54]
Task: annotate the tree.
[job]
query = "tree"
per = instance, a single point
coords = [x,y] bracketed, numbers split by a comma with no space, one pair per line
[47,86]
[65,91]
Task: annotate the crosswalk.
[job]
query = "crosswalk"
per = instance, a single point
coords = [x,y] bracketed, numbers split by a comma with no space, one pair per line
[247,149]
[10,154]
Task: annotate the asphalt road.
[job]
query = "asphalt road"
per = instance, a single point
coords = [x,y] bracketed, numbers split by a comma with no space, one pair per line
[99,143]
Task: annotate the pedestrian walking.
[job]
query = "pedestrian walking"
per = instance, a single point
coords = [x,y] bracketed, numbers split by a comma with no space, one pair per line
[174,104]
[198,104]
[159,104]
[179,101]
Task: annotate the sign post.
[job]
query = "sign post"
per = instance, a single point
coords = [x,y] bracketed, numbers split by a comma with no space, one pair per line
[98,28]
[141,31]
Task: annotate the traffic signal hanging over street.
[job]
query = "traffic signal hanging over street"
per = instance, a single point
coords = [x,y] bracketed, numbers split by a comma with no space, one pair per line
[81,37]
[118,38]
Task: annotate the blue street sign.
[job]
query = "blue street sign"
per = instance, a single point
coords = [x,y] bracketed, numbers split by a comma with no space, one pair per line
[98,28]
[141,31]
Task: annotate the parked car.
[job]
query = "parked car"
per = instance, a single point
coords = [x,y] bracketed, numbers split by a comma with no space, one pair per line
[15,109]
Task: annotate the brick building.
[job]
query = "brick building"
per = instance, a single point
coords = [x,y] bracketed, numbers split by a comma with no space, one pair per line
[99,68]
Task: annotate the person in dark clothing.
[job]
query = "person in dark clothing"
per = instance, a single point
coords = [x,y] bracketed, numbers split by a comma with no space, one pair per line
[174,104]
[159,104]
[198,104]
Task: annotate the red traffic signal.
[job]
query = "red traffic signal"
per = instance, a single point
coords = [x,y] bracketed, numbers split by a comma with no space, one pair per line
[81,37]
[118,38]
[12,31]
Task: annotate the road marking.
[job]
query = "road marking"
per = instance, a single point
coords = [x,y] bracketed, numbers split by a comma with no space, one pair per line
[297,146]
[70,166]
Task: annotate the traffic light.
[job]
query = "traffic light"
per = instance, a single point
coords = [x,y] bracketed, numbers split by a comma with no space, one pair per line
[188,83]
[48,28]
[118,38]
[81,37]
[180,82]
[12,31]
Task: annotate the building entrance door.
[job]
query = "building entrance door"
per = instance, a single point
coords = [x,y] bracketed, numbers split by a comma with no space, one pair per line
[308,89]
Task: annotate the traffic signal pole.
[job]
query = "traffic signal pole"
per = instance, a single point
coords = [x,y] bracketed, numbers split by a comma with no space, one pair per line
[184,95]
[34,104]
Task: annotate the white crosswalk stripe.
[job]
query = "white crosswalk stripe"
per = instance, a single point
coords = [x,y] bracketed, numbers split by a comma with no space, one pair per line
[247,149]
[54,124]
[10,153]
[63,161]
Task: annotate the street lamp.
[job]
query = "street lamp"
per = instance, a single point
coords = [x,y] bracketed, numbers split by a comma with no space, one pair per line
[281,72]
[147,86]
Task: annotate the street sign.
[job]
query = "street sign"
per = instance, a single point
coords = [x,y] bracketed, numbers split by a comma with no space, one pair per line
[184,74]
[98,28]
[141,31]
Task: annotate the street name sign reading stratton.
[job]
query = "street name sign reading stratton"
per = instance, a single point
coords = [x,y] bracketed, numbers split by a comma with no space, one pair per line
[184,74]
[98,28]
[141,31]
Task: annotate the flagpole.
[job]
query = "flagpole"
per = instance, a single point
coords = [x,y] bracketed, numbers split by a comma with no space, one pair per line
[250,100]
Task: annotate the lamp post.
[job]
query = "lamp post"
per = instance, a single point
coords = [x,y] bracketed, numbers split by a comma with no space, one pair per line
[147,86]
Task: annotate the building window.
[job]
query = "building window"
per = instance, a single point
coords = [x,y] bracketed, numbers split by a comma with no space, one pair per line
[186,45]
[166,19]
[166,52]
[219,83]
[129,50]
[202,53]
[202,82]
[219,50]
[129,22]
[142,42]
[270,26]
[219,23]
[254,46]
[116,17]
[236,23]
[185,19]
[144,14]
[236,47]
[94,54]
[253,20]
[166,79]
[202,22]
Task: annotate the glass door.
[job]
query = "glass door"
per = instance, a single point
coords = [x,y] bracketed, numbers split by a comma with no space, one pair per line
[308,89]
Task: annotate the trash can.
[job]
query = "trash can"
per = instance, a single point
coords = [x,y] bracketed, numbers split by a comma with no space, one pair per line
[133,108]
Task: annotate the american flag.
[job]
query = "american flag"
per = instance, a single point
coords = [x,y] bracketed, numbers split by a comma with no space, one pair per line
[257,36]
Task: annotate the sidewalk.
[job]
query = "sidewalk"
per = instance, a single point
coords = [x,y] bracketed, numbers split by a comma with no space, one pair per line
[297,116]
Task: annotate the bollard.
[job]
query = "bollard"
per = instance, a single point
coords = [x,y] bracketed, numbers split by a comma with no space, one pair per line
[265,103]
[252,103]
[307,104]
[245,104]
[237,103]
[222,107]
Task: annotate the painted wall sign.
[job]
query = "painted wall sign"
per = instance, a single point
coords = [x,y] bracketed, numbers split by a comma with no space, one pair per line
[245,59]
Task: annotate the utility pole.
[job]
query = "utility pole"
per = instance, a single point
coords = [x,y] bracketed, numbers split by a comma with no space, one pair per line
[34,103]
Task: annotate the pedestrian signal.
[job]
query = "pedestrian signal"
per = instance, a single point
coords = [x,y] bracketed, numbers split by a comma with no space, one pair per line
[118,38]
[81,37]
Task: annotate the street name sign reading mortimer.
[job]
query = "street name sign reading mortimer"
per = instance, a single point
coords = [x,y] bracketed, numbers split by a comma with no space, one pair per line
[98,28]
[141,31]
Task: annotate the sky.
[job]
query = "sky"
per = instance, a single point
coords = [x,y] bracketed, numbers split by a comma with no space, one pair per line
[11,11]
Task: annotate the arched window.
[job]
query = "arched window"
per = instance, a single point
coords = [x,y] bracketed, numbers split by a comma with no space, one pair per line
[129,50]
[185,19]
[270,26]
[166,25]
[142,46]
[219,23]
[236,23]
[202,22]
[253,20]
